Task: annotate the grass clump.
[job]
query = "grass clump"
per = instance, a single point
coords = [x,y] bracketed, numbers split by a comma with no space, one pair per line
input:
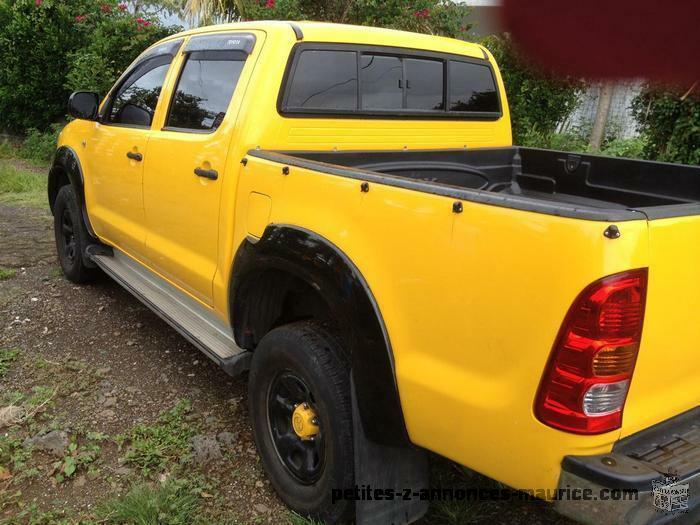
[169,504]
[21,186]
[152,447]
[6,273]
[7,357]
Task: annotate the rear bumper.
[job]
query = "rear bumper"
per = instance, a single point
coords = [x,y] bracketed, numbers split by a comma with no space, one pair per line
[650,477]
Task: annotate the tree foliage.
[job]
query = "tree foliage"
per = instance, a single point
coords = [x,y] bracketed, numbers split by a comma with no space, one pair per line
[669,123]
[440,17]
[538,101]
[49,47]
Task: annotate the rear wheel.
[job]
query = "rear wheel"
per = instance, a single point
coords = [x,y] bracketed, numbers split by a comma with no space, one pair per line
[71,236]
[299,395]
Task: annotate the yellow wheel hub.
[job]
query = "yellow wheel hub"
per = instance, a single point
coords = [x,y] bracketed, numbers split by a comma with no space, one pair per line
[305,422]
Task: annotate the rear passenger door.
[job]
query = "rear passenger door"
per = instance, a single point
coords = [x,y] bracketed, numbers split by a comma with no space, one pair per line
[188,159]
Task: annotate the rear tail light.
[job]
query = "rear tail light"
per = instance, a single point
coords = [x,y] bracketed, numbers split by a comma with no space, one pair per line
[585,384]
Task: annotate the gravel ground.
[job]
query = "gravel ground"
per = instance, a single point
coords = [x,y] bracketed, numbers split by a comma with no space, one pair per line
[105,365]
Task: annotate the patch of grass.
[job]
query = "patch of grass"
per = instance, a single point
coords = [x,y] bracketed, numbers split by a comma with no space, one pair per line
[152,447]
[22,186]
[7,150]
[169,504]
[7,357]
[13,455]
[296,519]
[6,273]
[32,515]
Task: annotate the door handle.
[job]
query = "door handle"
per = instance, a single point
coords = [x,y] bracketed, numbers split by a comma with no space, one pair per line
[207,174]
[135,156]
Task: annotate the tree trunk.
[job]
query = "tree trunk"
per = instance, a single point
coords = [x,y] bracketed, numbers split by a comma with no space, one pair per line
[601,116]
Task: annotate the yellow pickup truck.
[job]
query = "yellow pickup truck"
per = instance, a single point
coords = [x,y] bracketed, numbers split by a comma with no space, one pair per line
[341,213]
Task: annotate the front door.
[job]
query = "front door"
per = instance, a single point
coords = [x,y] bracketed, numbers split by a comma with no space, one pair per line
[186,164]
[117,149]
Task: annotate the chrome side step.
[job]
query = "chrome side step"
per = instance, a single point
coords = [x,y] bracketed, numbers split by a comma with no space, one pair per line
[199,326]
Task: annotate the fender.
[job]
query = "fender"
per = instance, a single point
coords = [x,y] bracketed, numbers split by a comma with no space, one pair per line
[66,169]
[345,293]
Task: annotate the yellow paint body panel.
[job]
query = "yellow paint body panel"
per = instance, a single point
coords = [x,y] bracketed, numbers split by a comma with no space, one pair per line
[472,302]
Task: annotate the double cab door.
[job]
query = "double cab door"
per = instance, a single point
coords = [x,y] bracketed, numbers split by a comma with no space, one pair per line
[160,155]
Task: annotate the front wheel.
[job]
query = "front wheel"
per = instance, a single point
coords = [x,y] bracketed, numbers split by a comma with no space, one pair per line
[71,236]
[299,395]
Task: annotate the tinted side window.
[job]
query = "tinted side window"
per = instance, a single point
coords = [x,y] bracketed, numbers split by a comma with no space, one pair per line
[424,81]
[204,90]
[472,88]
[382,81]
[324,80]
[136,99]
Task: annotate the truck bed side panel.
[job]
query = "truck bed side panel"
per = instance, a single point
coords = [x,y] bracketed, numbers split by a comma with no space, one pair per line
[472,303]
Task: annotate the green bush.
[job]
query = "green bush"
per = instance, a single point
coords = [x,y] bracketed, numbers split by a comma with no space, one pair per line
[576,140]
[40,146]
[115,39]
[538,101]
[48,46]
[632,148]
[669,123]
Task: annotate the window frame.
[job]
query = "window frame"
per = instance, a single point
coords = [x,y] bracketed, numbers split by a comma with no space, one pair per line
[186,57]
[211,43]
[406,114]
[173,47]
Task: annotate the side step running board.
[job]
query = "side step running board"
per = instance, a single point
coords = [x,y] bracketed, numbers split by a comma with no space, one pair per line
[197,324]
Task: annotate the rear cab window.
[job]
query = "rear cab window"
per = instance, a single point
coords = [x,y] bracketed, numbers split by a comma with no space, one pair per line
[379,82]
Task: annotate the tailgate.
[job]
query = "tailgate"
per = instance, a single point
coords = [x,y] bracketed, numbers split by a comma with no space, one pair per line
[666,379]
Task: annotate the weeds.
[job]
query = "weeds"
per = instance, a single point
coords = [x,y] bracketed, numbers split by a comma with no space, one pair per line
[39,147]
[169,504]
[297,519]
[152,447]
[21,186]
[7,357]
[78,456]
[6,273]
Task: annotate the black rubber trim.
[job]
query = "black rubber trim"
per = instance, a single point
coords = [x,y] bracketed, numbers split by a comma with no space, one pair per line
[495,199]
[66,160]
[672,210]
[297,31]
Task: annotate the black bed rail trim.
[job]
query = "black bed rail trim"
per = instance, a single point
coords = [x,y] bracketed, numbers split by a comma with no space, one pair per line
[484,197]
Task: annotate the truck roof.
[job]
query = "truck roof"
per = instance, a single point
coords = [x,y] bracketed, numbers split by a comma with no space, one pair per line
[344,33]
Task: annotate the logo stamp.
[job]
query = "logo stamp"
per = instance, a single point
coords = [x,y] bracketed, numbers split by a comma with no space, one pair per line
[670,496]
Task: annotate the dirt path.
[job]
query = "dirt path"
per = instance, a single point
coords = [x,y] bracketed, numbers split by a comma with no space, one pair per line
[99,368]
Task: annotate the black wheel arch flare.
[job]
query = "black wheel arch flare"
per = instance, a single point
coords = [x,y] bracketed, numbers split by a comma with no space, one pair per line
[322,265]
[66,169]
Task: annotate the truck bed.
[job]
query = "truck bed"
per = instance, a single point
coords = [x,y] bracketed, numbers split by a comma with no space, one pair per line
[557,182]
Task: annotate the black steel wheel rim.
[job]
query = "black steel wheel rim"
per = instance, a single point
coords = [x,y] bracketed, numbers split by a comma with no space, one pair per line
[303,459]
[68,240]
